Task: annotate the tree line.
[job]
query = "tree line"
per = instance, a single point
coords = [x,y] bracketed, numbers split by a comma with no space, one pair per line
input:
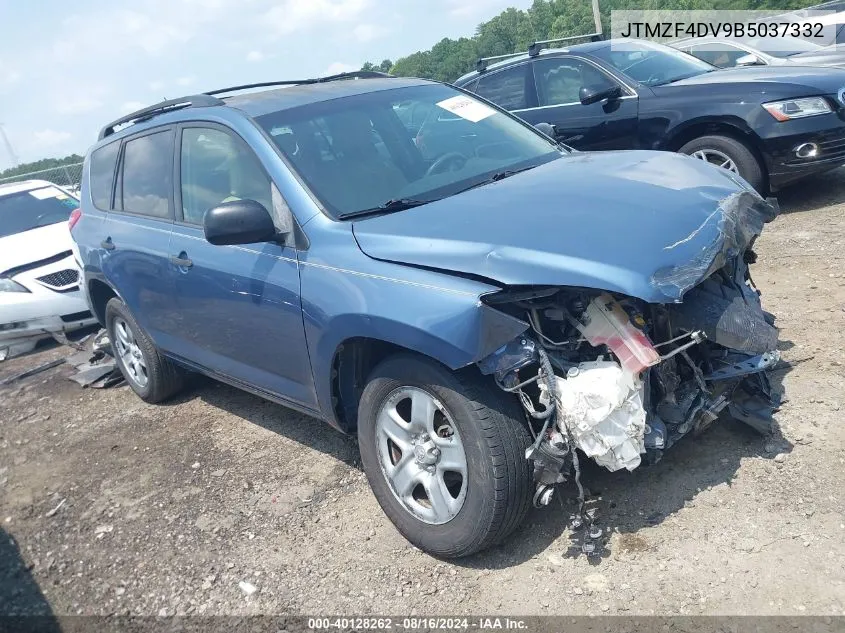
[514,30]
[39,165]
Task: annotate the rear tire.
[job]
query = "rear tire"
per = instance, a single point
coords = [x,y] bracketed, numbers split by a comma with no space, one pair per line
[147,372]
[715,147]
[474,415]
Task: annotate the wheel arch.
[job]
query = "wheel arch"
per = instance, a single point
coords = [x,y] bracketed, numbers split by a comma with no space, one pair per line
[732,127]
[351,356]
[99,294]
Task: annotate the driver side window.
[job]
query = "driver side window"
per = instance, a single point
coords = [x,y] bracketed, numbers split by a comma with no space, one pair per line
[559,80]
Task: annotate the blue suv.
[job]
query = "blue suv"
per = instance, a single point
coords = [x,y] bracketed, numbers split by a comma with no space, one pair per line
[482,306]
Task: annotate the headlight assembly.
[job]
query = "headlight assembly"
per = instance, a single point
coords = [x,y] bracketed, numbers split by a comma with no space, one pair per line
[798,108]
[8,285]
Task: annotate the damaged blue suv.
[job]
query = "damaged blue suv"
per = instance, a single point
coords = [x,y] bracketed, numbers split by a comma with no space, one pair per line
[482,311]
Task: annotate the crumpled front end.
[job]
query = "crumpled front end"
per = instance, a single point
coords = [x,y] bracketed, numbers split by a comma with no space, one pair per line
[621,379]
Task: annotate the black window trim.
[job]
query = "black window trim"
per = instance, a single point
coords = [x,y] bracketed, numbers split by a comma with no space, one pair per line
[531,97]
[119,174]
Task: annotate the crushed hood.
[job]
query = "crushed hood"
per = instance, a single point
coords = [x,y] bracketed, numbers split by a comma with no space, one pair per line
[39,243]
[645,224]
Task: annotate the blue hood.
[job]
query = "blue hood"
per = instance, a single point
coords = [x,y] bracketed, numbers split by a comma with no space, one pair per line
[645,224]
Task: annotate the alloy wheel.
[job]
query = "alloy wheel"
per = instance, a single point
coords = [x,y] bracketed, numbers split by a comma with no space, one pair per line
[421,455]
[715,157]
[130,354]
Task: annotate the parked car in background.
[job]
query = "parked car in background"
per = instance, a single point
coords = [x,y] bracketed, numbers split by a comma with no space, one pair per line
[771,125]
[761,51]
[39,279]
[298,244]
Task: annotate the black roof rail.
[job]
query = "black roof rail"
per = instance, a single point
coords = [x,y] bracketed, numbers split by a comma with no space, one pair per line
[192,101]
[208,99]
[355,74]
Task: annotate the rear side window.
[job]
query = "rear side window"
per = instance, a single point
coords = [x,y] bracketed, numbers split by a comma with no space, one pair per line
[102,174]
[506,88]
[147,175]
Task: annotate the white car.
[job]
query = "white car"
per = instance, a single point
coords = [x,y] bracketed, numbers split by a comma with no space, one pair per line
[39,277]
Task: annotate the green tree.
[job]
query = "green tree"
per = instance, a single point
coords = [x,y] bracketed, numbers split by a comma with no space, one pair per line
[39,165]
[513,30]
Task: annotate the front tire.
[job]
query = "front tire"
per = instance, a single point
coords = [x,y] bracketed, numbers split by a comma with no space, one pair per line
[730,154]
[146,371]
[444,453]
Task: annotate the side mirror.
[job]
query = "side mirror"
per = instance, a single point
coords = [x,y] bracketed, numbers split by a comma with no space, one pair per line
[591,94]
[238,222]
[546,128]
[749,60]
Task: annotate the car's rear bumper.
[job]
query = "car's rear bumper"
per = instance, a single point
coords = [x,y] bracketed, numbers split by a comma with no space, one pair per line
[825,133]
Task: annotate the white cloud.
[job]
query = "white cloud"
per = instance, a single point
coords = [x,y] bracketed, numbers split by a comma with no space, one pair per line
[78,104]
[338,67]
[472,7]
[49,138]
[295,15]
[186,81]
[368,32]
[255,56]
[131,106]
[8,75]
[155,86]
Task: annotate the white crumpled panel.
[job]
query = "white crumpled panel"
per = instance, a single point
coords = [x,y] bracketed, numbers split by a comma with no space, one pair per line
[603,407]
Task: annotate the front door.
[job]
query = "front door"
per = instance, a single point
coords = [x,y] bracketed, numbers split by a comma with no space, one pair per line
[607,124]
[239,305]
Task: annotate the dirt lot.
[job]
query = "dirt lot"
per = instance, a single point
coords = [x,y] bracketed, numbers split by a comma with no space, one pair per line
[166,509]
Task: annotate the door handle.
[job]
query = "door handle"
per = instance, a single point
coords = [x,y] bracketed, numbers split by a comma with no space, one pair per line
[107,244]
[181,261]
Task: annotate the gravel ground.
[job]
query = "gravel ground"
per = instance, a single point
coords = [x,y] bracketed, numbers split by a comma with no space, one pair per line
[221,503]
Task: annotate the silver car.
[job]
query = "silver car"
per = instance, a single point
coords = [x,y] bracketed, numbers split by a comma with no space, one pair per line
[761,51]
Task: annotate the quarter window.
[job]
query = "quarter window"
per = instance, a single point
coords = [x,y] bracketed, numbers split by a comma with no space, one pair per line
[505,88]
[559,81]
[102,174]
[217,167]
[147,175]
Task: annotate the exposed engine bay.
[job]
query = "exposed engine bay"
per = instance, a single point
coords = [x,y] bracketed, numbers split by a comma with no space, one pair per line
[622,380]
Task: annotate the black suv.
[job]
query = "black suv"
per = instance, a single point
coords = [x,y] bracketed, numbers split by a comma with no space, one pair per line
[771,125]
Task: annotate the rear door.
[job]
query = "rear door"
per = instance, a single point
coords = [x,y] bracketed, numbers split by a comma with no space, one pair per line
[135,236]
[238,307]
[607,124]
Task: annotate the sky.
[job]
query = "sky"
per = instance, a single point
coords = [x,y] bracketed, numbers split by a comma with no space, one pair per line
[67,68]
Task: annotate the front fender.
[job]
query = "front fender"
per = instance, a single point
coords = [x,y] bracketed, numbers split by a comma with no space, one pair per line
[444,320]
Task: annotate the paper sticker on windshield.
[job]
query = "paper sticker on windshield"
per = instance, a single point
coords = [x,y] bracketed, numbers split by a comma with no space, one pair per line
[467,108]
[46,192]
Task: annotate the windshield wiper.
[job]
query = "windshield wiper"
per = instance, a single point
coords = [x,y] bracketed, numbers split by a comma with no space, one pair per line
[398,204]
[499,175]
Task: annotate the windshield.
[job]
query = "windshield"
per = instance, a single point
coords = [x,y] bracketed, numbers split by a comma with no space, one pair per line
[28,210]
[782,46]
[651,64]
[402,147]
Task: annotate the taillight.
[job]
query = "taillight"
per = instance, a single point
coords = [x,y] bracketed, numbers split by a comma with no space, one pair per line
[75,215]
